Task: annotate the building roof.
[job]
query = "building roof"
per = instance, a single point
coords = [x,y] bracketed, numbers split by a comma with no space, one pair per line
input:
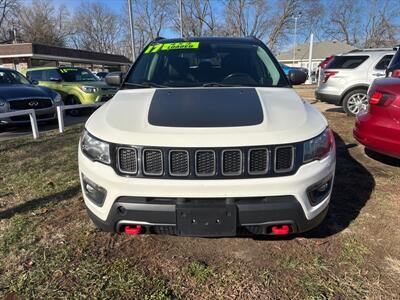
[45,51]
[321,50]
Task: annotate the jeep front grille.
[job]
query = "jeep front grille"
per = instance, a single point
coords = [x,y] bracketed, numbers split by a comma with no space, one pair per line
[284,159]
[152,162]
[179,164]
[205,163]
[127,160]
[215,163]
[258,161]
[231,162]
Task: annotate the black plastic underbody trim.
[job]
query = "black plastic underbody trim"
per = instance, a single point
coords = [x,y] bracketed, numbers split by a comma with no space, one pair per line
[254,215]
[205,107]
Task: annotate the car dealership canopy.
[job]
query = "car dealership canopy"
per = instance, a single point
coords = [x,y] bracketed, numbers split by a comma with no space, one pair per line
[30,55]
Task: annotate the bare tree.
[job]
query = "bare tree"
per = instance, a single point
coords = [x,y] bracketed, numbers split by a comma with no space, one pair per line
[246,18]
[42,23]
[7,10]
[198,18]
[363,23]
[96,28]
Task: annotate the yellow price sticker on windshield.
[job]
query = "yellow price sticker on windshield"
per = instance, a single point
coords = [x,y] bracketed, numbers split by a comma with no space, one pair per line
[172,46]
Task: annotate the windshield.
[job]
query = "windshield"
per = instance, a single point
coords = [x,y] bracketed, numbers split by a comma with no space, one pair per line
[210,63]
[12,77]
[77,75]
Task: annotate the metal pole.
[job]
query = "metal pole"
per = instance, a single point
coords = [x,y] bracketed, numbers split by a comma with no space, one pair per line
[294,41]
[35,130]
[180,17]
[310,59]
[60,117]
[132,30]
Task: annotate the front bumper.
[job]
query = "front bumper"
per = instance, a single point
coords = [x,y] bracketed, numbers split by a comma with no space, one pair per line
[259,202]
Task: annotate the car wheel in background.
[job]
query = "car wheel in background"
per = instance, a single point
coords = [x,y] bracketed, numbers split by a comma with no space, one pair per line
[72,100]
[355,101]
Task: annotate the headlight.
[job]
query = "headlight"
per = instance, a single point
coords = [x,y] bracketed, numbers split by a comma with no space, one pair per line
[89,89]
[57,98]
[319,147]
[95,149]
[2,102]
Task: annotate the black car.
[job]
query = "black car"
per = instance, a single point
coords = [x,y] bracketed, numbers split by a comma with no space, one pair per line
[393,69]
[18,93]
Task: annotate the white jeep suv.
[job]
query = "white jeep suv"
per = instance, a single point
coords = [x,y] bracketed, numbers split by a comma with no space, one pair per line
[346,79]
[206,137]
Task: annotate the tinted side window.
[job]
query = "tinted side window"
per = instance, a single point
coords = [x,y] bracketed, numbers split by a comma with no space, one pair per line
[396,59]
[347,62]
[35,75]
[384,62]
[51,75]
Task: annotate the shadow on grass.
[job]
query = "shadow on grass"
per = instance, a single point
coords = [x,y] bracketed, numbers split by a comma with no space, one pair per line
[39,202]
[387,160]
[336,109]
[352,189]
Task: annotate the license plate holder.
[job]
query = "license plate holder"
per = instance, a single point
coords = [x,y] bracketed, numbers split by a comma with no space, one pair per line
[195,220]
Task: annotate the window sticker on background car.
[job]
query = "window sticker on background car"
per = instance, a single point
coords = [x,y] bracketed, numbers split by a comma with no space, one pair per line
[172,46]
[68,70]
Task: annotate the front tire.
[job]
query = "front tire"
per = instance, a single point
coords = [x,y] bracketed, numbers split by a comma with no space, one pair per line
[355,101]
[72,100]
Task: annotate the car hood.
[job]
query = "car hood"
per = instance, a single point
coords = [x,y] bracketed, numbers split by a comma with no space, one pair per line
[143,117]
[17,91]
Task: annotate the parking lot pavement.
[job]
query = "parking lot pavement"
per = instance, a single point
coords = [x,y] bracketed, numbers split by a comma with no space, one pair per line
[7,133]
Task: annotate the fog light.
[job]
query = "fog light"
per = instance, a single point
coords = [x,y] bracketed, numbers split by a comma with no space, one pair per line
[318,192]
[95,193]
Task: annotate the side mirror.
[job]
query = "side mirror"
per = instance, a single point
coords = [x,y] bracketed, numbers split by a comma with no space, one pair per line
[35,82]
[297,77]
[114,78]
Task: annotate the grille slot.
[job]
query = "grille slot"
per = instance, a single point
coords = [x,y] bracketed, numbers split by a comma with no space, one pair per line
[179,163]
[205,163]
[152,162]
[284,159]
[127,160]
[231,162]
[258,161]
[34,104]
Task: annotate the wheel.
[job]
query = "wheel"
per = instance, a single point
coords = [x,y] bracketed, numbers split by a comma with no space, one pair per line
[72,100]
[355,101]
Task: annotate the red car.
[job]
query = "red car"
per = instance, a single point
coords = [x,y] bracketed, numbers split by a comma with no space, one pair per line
[379,128]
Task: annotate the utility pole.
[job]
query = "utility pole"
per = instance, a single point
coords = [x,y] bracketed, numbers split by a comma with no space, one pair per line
[132,30]
[180,17]
[294,40]
[310,59]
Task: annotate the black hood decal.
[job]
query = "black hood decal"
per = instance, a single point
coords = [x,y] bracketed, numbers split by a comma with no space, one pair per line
[205,107]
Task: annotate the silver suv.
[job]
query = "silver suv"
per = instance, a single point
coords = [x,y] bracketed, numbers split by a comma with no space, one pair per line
[346,78]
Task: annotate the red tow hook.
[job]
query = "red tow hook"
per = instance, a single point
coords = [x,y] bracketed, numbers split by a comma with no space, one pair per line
[133,230]
[280,230]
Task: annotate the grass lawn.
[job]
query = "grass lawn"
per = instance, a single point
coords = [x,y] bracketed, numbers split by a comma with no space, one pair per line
[50,249]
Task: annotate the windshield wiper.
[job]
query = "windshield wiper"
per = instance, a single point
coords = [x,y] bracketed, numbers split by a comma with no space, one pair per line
[219,84]
[144,85]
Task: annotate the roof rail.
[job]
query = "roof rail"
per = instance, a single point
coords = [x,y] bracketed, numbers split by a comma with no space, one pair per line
[370,49]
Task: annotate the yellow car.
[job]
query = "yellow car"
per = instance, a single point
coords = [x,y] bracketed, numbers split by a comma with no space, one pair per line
[75,85]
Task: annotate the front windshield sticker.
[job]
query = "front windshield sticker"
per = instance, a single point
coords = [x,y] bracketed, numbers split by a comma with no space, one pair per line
[172,46]
[68,70]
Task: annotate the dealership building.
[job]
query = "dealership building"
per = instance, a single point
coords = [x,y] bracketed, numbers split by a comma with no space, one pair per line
[30,55]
